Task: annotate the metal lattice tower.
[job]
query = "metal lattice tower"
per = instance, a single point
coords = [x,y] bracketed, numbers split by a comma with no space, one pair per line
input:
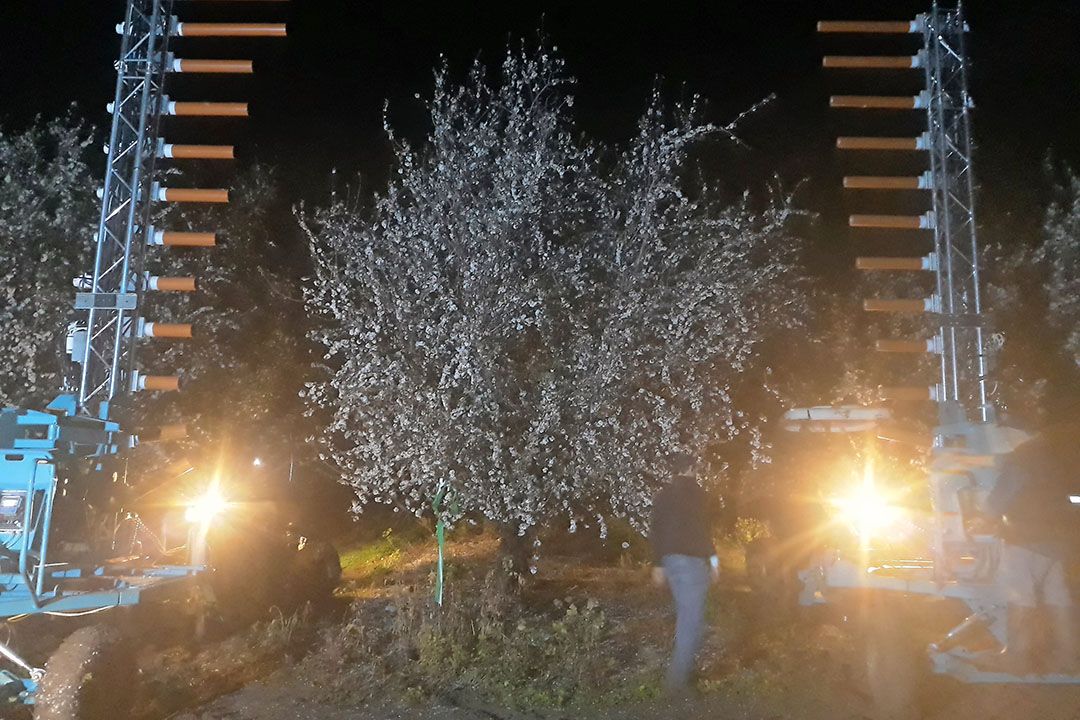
[957,558]
[114,290]
[964,364]
[114,295]
[955,305]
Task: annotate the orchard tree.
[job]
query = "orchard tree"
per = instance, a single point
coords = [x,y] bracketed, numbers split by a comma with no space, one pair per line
[438,302]
[682,289]
[1059,255]
[47,211]
[528,323]
[1032,291]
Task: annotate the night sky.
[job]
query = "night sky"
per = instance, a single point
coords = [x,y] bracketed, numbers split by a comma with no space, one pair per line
[317,98]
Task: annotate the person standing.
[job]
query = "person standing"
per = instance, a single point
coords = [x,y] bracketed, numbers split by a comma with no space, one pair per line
[681,535]
[1034,500]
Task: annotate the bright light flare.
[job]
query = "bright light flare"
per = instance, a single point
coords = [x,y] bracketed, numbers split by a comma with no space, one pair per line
[868,510]
[204,509]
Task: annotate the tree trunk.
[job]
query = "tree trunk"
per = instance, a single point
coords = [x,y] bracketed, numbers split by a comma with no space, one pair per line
[515,552]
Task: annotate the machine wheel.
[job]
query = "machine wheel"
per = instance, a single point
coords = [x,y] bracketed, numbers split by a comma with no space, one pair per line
[89,677]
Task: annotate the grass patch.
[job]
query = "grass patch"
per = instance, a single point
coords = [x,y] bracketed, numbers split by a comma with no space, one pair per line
[373,561]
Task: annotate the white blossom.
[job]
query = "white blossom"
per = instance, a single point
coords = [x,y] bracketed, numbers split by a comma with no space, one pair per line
[534,321]
[46,235]
[1059,254]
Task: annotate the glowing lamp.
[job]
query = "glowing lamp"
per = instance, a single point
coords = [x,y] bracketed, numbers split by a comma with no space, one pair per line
[206,508]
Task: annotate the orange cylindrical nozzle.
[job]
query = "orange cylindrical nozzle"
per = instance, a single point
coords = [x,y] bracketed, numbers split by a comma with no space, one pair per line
[881,182]
[185,239]
[894,306]
[891,263]
[194,195]
[197,152]
[213,66]
[889,222]
[878,102]
[877,143]
[161,383]
[207,109]
[188,29]
[174,331]
[172,284]
[858,26]
[888,62]
[906,394]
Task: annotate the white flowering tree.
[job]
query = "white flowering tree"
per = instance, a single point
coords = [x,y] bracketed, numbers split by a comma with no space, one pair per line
[682,291]
[46,228]
[1059,253]
[1032,291]
[530,323]
[439,302]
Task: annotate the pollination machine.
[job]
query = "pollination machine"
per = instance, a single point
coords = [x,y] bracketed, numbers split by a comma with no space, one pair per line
[968,444]
[48,457]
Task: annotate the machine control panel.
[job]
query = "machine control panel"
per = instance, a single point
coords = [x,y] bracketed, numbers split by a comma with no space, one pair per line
[11,510]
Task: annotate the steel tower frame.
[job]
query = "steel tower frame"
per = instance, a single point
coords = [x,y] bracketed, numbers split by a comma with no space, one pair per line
[114,292]
[962,393]
[42,451]
[965,461]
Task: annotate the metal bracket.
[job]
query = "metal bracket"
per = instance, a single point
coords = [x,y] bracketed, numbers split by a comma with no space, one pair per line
[964,670]
[106,301]
[35,673]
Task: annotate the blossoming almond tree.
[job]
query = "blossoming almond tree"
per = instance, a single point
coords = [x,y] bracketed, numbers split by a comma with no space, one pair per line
[46,227]
[439,301]
[685,289]
[1059,253]
[1033,291]
[530,323]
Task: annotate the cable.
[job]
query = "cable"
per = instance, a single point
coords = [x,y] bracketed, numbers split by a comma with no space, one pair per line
[81,613]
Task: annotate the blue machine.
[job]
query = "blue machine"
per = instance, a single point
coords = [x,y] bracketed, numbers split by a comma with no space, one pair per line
[74,440]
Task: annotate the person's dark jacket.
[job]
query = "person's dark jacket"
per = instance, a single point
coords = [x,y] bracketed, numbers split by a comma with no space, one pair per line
[1032,493]
[682,520]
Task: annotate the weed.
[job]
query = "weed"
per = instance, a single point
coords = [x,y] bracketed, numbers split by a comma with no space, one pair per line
[280,632]
[484,641]
[414,695]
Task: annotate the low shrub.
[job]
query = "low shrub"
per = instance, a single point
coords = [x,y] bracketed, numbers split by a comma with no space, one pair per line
[483,641]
